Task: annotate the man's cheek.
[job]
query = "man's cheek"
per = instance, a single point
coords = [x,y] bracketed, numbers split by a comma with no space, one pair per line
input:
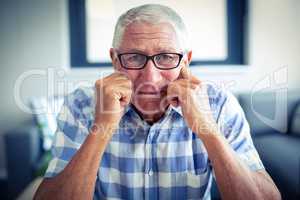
[133,78]
[172,75]
[130,74]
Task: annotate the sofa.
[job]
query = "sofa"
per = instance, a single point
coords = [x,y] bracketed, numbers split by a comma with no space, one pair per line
[276,140]
[279,144]
[23,147]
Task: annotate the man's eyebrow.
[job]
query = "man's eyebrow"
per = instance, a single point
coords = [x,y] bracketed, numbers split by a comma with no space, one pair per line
[158,50]
[166,49]
[134,51]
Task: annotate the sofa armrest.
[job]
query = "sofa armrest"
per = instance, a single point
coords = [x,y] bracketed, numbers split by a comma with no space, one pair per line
[23,149]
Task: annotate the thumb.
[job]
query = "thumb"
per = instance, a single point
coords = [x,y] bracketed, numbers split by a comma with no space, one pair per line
[185,73]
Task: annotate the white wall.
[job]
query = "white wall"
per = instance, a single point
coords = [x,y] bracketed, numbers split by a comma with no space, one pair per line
[34,35]
[274,38]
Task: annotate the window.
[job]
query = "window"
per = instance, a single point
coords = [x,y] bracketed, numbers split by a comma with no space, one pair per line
[216,29]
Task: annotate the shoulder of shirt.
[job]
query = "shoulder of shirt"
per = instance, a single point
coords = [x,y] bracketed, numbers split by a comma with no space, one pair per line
[80,101]
[84,90]
[223,101]
[218,96]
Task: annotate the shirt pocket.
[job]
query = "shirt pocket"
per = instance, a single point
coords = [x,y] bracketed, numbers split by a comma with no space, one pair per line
[198,164]
[190,185]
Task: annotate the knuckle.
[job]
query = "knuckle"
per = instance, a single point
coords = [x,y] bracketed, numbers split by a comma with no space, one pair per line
[108,89]
[98,83]
[171,85]
[129,83]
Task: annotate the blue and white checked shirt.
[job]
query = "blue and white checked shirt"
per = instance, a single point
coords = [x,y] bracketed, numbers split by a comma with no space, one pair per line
[162,161]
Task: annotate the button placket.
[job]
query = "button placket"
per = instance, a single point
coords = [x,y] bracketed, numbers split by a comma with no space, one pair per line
[148,160]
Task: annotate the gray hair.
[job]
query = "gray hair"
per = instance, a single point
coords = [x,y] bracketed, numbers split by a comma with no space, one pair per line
[153,14]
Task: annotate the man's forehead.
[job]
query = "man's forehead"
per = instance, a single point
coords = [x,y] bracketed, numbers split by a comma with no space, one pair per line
[140,30]
[158,49]
[149,27]
[160,37]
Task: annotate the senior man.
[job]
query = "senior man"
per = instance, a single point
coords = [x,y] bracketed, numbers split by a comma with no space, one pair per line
[151,130]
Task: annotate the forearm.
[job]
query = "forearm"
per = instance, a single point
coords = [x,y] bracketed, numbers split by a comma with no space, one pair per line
[77,180]
[234,179]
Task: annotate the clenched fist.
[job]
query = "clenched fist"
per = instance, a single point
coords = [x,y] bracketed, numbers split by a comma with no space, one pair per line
[191,94]
[113,94]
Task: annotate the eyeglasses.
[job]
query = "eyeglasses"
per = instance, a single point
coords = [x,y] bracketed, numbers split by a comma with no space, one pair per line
[163,61]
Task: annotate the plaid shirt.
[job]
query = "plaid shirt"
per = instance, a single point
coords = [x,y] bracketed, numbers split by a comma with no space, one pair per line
[162,161]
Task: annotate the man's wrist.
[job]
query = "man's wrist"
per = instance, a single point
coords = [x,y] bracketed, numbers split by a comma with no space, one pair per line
[207,130]
[103,130]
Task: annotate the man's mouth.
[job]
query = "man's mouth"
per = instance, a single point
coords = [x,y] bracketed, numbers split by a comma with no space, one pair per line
[151,91]
[148,93]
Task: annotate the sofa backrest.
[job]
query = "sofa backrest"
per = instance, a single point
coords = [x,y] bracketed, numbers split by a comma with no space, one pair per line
[269,111]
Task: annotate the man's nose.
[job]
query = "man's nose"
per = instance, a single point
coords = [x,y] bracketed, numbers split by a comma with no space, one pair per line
[151,73]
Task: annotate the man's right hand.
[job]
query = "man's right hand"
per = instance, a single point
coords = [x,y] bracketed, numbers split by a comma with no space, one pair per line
[113,93]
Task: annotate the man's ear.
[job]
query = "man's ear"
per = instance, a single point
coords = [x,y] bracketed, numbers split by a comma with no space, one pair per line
[189,57]
[114,58]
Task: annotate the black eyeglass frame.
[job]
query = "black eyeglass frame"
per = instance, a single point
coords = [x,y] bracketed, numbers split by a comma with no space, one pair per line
[150,58]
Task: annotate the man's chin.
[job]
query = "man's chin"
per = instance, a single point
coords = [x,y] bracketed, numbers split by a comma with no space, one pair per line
[149,106]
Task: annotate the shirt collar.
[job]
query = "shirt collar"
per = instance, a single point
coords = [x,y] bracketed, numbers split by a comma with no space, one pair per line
[129,108]
[176,109]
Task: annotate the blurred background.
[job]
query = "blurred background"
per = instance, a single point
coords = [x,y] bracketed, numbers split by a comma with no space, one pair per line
[50,47]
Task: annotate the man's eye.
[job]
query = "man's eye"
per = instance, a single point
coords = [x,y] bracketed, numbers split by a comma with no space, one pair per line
[133,58]
[165,57]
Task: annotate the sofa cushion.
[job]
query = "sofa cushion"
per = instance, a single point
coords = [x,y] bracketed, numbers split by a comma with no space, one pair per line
[295,121]
[45,111]
[23,150]
[280,154]
[268,110]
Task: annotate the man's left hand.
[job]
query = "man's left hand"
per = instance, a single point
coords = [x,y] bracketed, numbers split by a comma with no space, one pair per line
[191,94]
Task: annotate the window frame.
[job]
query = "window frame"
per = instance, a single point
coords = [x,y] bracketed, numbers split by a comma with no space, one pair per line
[236,21]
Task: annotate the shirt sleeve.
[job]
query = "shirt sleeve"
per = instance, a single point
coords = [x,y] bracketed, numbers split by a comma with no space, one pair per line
[70,134]
[234,126]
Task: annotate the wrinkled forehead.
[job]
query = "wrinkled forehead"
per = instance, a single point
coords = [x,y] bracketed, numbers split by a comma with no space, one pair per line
[147,35]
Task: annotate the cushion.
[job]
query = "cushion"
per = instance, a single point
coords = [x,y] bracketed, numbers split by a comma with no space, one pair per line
[269,110]
[295,121]
[45,111]
[280,154]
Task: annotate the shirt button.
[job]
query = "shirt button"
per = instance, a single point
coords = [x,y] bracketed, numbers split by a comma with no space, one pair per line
[150,172]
